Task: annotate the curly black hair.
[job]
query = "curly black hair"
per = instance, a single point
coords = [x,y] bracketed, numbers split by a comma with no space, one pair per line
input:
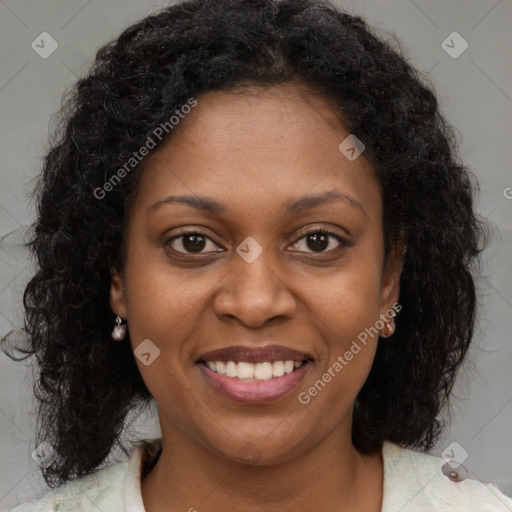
[87,383]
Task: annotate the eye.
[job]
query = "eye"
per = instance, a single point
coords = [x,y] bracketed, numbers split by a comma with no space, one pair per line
[319,240]
[190,242]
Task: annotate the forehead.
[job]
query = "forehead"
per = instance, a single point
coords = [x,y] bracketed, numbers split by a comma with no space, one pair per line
[268,144]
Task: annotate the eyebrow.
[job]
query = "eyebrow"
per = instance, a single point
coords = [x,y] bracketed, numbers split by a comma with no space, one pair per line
[209,205]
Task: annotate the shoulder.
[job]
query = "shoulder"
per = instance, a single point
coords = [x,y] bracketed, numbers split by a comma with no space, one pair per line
[87,493]
[111,488]
[415,481]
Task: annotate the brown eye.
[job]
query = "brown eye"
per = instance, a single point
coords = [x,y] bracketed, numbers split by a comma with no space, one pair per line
[190,242]
[319,240]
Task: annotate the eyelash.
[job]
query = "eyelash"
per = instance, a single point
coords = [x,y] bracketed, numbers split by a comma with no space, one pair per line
[343,242]
[323,231]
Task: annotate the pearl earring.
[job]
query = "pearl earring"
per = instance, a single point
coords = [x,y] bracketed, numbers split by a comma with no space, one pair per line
[389,329]
[119,331]
[390,325]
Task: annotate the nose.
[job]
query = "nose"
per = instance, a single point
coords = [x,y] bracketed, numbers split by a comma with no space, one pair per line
[254,292]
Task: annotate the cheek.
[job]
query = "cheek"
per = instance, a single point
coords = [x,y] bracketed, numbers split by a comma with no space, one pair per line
[345,317]
[345,310]
[163,309]
[161,302]
[348,301]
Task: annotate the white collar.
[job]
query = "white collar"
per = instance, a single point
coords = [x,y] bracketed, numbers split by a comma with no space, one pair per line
[412,481]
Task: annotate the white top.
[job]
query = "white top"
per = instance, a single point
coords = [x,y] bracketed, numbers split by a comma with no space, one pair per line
[413,482]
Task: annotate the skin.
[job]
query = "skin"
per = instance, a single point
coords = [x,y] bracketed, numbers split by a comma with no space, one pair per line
[253,151]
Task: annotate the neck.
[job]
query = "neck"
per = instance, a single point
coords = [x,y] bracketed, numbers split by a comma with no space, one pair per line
[331,476]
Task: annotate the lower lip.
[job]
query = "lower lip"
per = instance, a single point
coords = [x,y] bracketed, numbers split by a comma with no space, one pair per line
[255,392]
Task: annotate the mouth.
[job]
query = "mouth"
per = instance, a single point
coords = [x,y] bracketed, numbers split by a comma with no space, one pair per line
[254,372]
[254,375]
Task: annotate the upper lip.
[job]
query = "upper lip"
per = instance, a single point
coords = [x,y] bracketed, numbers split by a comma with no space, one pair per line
[255,354]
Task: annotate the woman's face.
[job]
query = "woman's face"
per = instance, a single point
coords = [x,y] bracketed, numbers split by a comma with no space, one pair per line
[260,170]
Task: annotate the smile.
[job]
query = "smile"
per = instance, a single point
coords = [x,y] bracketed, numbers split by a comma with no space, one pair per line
[254,375]
[250,372]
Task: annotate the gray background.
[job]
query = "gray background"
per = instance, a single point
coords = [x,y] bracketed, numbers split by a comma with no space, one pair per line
[475,92]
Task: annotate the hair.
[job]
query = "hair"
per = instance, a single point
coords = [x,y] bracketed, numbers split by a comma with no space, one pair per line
[87,383]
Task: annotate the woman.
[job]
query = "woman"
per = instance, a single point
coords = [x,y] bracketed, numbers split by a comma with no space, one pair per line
[255,217]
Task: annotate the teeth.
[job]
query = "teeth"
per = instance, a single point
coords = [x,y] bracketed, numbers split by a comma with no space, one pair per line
[253,371]
[278,368]
[263,371]
[246,370]
[231,369]
[288,366]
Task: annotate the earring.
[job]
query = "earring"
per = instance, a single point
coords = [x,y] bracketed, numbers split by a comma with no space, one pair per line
[119,331]
[389,325]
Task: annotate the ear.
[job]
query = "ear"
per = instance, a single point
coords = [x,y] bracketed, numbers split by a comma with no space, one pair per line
[117,294]
[390,288]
